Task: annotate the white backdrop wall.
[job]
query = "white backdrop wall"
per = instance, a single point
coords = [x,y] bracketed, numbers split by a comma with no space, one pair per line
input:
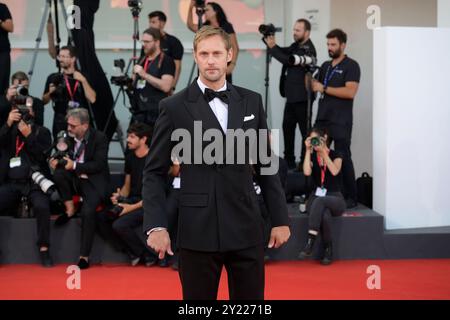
[411,115]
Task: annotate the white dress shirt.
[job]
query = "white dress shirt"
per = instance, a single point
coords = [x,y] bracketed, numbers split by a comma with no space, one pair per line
[219,108]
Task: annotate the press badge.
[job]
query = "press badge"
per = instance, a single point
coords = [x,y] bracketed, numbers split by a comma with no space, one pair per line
[321,192]
[141,84]
[73,104]
[15,162]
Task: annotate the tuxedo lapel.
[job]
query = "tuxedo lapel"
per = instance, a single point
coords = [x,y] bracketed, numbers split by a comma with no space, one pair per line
[199,109]
[236,109]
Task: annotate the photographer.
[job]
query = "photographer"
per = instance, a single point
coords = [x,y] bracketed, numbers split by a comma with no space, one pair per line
[23,149]
[337,87]
[215,16]
[83,171]
[326,201]
[152,79]
[19,91]
[68,90]
[169,44]
[294,87]
[118,224]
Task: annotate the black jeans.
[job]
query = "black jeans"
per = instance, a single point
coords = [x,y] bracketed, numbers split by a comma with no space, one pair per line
[200,273]
[10,196]
[5,70]
[321,210]
[69,185]
[294,113]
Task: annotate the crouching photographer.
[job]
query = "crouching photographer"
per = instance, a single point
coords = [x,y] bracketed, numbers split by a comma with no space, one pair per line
[296,60]
[23,171]
[82,170]
[118,223]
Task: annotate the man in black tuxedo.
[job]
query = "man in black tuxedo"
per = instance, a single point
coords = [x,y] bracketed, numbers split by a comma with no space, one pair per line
[219,221]
[85,172]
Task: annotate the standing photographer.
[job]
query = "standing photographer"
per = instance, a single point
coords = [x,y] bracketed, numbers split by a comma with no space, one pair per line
[19,91]
[152,79]
[337,86]
[294,86]
[23,148]
[68,90]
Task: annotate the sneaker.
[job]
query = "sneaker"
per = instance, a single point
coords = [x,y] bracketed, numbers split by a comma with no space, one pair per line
[307,250]
[327,258]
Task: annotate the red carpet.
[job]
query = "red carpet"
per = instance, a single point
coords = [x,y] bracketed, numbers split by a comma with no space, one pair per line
[404,279]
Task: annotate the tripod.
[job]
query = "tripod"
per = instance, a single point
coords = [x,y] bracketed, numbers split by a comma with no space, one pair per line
[135,11]
[200,11]
[267,78]
[48,4]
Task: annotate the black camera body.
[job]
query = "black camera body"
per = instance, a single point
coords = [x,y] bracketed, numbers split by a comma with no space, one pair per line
[200,3]
[268,29]
[25,114]
[59,94]
[63,148]
[116,210]
[123,80]
[135,3]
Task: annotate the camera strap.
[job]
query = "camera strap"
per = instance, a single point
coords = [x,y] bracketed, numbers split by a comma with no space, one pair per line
[69,89]
[19,146]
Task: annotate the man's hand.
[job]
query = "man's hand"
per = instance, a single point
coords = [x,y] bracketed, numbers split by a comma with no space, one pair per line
[12,91]
[51,88]
[53,163]
[139,70]
[160,242]
[78,76]
[279,236]
[317,86]
[14,116]
[270,41]
[24,128]
[115,196]
[69,164]
[127,208]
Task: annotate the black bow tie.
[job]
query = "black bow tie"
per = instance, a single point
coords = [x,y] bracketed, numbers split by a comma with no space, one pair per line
[211,94]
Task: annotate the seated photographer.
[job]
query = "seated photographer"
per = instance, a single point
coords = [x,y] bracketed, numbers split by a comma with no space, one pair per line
[326,201]
[16,94]
[152,79]
[82,171]
[68,90]
[118,223]
[23,148]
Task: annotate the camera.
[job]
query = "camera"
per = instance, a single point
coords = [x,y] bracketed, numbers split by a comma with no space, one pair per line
[47,186]
[316,141]
[59,93]
[62,147]
[20,99]
[25,113]
[116,210]
[304,60]
[200,3]
[123,80]
[135,4]
[268,29]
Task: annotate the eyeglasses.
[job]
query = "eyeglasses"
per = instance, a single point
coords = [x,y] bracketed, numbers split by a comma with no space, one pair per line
[147,41]
[73,126]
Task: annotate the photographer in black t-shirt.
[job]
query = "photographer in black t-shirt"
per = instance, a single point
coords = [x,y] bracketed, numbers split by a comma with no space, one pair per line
[118,224]
[337,87]
[6,26]
[169,44]
[152,79]
[68,90]
[18,90]
[326,200]
[294,87]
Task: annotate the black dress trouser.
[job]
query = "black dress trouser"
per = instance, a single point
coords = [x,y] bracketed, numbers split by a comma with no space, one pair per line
[294,114]
[69,185]
[10,196]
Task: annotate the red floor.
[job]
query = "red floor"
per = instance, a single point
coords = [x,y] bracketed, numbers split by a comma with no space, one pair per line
[403,279]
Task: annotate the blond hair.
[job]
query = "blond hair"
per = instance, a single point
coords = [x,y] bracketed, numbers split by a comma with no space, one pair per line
[207,32]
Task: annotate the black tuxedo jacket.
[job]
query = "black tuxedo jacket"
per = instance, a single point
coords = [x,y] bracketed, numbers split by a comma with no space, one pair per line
[218,208]
[95,164]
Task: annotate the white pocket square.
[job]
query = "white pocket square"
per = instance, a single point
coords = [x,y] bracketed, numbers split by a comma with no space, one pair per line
[248,118]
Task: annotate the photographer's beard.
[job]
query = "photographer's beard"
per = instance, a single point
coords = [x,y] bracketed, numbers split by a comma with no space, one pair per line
[335,54]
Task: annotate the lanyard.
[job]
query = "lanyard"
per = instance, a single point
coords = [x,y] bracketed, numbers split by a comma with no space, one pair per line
[69,89]
[323,170]
[327,78]
[19,146]
[80,151]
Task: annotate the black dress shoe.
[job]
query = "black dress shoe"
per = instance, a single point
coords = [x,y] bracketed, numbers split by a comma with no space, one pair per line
[149,260]
[83,264]
[62,219]
[327,258]
[307,250]
[46,260]
[163,263]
